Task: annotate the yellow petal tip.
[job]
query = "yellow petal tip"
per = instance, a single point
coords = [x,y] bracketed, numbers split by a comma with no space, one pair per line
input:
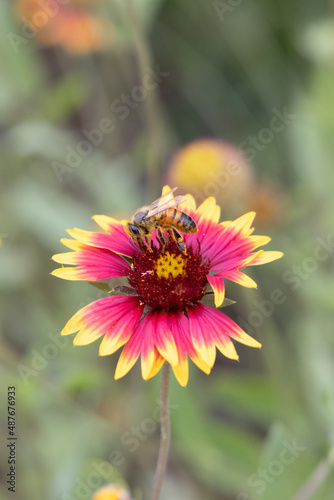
[219,301]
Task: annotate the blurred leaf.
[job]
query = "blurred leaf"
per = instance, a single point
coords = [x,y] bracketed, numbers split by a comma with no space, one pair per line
[37,137]
[23,73]
[219,453]
[45,218]
[59,101]
[282,466]
[104,287]
[250,397]
[228,302]
[209,300]
[317,41]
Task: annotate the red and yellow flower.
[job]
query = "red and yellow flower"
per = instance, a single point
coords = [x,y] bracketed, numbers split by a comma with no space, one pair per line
[227,175]
[111,492]
[162,317]
[71,24]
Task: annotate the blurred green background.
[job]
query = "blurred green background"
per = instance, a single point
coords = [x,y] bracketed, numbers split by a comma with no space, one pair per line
[253,430]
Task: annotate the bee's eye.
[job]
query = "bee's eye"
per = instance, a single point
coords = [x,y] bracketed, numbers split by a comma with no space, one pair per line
[134,230]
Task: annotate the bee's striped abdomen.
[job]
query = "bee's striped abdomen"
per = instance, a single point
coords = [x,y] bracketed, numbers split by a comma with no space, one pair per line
[188,223]
[178,219]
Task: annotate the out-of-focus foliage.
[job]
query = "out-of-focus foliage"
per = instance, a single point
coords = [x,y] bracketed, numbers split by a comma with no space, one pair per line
[77,135]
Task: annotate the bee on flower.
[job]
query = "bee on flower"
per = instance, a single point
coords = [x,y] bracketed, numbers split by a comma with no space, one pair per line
[161,214]
[169,270]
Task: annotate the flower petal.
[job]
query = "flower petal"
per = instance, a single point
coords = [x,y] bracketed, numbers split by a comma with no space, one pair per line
[207,236]
[179,326]
[200,335]
[181,369]
[259,240]
[148,356]
[121,332]
[234,239]
[266,257]
[164,340]
[107,223]
[234,263]
[219,337]
[86,336]
[130,353]
[99,317]
[242,224]
[67,273]
[209,210]
[110,326]
[226,326]
[239,277]
[93,264]
[166,190]
[72,244]
[189,204]
[89,273]
[117,240]
[157,341]
[225,346]
[157,364]
[218,287]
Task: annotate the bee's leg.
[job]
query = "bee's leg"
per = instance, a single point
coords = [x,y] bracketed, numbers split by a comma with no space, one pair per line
[137,244]
[147,241]
[175,235]
[162,237]
[170,233]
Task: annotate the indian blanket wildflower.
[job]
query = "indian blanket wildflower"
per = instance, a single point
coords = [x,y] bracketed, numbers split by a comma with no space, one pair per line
[160,314]
[70,24]
[227,175]
[111,492]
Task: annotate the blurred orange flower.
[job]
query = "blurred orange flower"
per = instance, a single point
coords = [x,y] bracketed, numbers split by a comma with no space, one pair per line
[211,167]
[268,203]
[111,492]
[67,23]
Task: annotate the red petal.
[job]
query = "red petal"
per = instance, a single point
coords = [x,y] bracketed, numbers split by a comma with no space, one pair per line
[200,335]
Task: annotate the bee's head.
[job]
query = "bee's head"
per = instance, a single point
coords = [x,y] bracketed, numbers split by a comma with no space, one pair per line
[139,216]
[132,230]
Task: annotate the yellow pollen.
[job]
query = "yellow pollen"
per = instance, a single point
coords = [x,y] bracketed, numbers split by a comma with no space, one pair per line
[169,265]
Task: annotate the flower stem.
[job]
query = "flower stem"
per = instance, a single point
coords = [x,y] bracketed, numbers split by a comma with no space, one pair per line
[165,434]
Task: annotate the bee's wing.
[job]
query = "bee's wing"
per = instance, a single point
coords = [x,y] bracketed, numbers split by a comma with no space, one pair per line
[168,203]
[165,198]
[155,206]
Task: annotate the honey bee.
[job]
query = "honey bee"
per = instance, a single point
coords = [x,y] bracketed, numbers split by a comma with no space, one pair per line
[161,215]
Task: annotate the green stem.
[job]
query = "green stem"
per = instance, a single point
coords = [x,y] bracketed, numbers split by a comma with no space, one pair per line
[165,434]
[151,102]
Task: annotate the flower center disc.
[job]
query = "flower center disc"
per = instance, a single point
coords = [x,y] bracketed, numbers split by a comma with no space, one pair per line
[170,265]
[167,278]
